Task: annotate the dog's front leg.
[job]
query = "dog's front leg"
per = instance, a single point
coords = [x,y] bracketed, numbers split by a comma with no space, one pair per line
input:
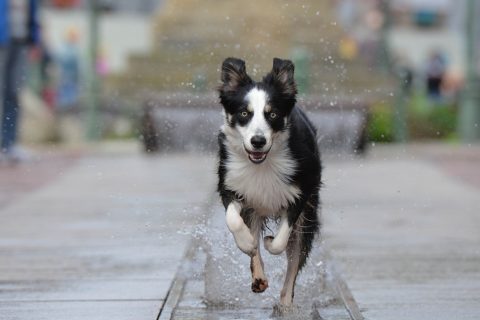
[243,237]
[277,244]
[259,280]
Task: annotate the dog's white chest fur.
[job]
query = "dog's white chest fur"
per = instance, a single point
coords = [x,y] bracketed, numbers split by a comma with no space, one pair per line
[265,187]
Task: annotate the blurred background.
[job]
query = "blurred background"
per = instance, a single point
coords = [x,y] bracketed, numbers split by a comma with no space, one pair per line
[110,171]
[373,71]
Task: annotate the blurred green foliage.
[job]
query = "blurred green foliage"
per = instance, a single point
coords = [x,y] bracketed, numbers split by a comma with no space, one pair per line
[380,123]
[427,120]
[430,119]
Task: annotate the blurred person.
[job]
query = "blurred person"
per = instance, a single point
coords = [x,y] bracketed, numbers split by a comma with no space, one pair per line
[42,59]
[46,64]
[3,41]
[348,48]
[40,71]
[435,72]
[102,63]
[452,85]
[69,65]
[19,30]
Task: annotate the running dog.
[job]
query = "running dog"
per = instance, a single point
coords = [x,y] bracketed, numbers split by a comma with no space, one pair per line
[269,168]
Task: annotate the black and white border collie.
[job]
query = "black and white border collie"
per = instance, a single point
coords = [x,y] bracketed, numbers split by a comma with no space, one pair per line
[269,168]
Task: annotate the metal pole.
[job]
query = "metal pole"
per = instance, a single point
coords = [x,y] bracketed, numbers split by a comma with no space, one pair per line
[469,118]
[93,127]
[400,127]
[384,54]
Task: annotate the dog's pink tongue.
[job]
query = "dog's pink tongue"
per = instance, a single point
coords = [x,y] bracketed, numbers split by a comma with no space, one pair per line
[257,155]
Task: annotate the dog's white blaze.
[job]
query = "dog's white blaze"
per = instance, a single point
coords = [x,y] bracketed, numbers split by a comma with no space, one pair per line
[265,187]
[257,104]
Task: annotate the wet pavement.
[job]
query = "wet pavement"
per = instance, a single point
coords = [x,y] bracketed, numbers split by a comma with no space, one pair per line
[103,239]
[41,168]
[124,236]
[403,223]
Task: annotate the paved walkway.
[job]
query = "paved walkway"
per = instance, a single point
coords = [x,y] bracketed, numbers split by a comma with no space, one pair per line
[17,181]
[102,236]
[404,224]
[102,240]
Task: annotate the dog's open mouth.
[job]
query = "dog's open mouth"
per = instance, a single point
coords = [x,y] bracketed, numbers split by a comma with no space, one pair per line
[257,157]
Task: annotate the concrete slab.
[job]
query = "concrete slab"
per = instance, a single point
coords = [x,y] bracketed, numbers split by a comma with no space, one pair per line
[405,230]
[84,290]
[106,237]
[102,240]
[81,310]
[44,167]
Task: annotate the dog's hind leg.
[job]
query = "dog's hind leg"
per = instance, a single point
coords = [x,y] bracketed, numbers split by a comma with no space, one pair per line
[294,258]
[259,280]
[298,248]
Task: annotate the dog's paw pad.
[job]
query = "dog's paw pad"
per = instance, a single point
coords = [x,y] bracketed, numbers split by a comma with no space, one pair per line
[259,285]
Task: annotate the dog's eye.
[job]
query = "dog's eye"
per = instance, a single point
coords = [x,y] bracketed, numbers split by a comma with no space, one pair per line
[244,114]
[273,115]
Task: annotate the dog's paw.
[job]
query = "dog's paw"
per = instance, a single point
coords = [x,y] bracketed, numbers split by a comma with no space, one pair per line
[273,246]
[270,247]
[259,285]
[267,243]
[249,249]
[246,243]
[267,240]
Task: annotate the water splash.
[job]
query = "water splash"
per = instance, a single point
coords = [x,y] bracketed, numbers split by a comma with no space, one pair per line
[228,277]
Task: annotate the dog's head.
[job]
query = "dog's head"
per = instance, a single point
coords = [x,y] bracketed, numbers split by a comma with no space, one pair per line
[257,110]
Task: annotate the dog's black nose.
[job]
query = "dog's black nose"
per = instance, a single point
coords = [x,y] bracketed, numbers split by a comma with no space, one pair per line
[258,141]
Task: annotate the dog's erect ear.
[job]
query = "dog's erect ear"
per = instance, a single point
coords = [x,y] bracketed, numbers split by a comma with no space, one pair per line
[234,74]
[282,76]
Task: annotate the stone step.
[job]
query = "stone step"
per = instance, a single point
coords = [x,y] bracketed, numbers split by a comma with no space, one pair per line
[192,39]
[187,122]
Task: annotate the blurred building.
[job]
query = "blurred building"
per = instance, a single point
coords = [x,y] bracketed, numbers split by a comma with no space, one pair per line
[139,6]
[417,31]
[125,27]
[192,37]
[422,27]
